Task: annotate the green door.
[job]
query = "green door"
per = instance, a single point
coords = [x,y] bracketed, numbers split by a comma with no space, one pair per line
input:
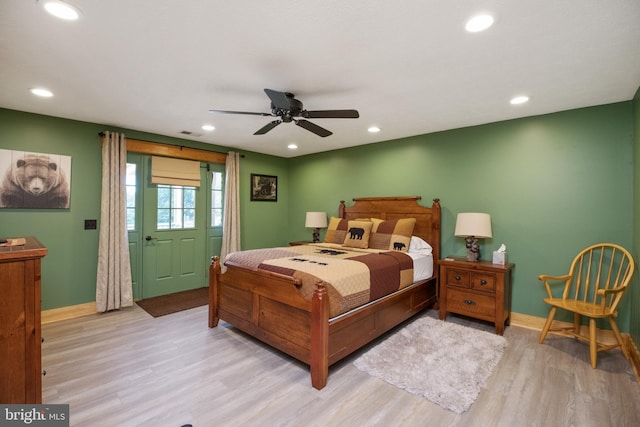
[174,237]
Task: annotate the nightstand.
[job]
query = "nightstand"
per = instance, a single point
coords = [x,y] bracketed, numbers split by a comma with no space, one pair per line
[300,242]
[481,290]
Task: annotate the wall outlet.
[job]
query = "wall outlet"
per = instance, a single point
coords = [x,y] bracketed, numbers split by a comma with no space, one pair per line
[90,224]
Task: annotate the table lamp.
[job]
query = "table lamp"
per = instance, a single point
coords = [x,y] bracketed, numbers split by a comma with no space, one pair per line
[316,220]
[471,226]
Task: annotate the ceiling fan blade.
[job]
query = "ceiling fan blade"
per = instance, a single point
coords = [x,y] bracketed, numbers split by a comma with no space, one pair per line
[279,99]
[331,114]
[268,127]
[241,112]
[311,127]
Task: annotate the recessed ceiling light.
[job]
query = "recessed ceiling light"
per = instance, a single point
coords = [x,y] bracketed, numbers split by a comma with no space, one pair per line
[374,129]
[292,146]
[208,128]
[519,100]
[479,23]
[39,91]
[61,9]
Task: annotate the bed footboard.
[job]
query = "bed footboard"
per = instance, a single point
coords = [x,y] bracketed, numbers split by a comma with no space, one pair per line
[269,307]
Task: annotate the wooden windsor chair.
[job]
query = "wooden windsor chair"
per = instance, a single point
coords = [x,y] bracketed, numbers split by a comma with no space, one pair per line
[597,280]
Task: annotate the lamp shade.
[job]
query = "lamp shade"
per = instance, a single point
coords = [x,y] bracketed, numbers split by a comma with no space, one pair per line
[473,224]
[316,220]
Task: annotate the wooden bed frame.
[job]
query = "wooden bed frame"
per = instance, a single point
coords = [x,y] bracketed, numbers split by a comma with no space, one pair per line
[269,307]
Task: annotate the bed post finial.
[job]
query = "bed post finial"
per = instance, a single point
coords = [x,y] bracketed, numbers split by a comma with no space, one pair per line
[341,209]
[319,357]
[214,271]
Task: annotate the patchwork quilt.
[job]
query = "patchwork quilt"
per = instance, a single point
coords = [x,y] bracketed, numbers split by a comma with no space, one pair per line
[352,276]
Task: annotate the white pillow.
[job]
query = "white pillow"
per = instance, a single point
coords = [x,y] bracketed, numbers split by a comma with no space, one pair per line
[419,245]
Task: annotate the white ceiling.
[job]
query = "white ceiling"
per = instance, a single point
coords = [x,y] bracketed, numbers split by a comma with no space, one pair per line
[408,66]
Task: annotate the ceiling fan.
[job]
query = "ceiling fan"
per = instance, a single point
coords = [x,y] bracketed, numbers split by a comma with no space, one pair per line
[288,109]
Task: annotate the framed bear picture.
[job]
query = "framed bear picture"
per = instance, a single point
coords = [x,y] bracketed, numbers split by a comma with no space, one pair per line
[34,180]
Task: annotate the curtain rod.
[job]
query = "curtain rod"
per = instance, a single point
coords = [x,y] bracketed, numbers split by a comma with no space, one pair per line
[101,134]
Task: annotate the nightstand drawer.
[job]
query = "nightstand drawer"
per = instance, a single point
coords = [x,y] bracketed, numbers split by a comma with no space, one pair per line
[470,303]
[458,278]
[483,282]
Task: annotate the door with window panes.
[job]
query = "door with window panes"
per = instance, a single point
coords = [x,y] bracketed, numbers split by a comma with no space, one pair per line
[179,230]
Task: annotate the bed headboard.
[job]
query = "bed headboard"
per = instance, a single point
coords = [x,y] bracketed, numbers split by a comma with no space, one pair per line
[427,219]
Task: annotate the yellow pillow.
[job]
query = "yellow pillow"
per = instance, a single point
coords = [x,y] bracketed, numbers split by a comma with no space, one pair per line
[392,235]
[336,230]
[357,235]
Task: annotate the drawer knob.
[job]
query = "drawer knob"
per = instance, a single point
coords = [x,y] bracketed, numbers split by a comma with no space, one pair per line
[483,282]
[458,277]
[469,302]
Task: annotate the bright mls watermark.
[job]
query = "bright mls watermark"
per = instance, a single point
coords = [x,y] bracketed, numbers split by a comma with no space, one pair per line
[34,415]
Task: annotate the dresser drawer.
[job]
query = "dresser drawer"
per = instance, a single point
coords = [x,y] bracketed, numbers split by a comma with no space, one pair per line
[460,278]
[483,282]
[471,304]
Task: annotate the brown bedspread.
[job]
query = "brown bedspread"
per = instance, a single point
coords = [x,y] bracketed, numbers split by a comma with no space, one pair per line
[352,277]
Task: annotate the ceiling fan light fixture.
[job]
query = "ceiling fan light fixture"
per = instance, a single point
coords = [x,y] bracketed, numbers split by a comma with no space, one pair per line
[208,128]
[479,23]
[292,146]
[61,9]
[374,129]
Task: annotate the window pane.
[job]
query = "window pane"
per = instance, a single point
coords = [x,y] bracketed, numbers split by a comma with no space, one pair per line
[163,219]
[189,218]
[130,186]
[216,199]
[189,197]
[131,197]
[131,174]
[176,197]
[216,217]
[164,196]
[216,183]
[176,218]
[131,219]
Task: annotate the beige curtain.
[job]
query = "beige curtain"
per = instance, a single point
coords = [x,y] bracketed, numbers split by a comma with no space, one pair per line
[231,215]
[113,283]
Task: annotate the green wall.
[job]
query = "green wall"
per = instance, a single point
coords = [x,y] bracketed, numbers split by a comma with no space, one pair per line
[553,184]
[634,327]
[69,269]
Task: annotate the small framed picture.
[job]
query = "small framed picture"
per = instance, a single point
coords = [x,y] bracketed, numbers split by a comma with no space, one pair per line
[264,188]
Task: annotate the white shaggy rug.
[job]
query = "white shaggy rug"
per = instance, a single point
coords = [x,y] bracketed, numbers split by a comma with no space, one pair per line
[446,363]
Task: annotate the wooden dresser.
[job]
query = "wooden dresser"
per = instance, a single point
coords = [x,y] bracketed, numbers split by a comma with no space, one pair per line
[20,339]
[481,290]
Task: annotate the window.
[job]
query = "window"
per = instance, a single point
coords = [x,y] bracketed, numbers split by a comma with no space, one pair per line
[130,185]
[176,207]
[216,199]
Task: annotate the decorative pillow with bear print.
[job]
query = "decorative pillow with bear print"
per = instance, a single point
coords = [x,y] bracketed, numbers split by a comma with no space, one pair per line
[357,235]
[393,235]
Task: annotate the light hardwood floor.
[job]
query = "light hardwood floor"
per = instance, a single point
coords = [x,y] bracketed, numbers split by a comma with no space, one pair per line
[127,368]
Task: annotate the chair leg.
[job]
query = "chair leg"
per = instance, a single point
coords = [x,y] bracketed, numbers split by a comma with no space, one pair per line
[593,343]
[547,324]
[616,332]
[577,319]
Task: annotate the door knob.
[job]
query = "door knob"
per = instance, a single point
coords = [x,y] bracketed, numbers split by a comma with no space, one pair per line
[148,238]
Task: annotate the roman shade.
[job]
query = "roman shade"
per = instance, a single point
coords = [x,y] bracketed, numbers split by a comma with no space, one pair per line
[170,171]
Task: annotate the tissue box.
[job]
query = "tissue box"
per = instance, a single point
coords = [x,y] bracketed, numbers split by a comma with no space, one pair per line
[499,258]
